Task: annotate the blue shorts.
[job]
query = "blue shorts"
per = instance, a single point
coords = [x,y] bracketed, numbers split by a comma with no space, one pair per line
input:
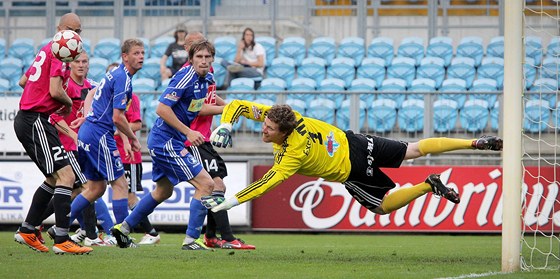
[98,154]
[170,158]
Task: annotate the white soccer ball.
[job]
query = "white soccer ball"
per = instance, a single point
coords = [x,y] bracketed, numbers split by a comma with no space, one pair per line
[67,45]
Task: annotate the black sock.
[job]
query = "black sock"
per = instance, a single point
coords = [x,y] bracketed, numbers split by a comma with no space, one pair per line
[48,211]
[222,222]
[210,225]
[61,202]
[40,201]
[90,221]
[147,226]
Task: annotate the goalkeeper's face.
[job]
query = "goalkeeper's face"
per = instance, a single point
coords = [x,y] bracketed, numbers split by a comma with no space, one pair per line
[271,132]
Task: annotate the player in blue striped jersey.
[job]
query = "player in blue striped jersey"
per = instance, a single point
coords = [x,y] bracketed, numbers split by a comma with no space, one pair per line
[179,104]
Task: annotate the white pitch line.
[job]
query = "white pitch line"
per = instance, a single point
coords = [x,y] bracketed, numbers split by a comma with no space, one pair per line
[474,275]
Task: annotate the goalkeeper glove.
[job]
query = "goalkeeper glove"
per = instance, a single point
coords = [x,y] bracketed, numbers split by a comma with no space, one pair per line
[225,205]
[221,136]
[211,201]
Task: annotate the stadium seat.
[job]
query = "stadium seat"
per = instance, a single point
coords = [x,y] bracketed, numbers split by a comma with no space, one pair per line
[463,68]
[493,68]
[534,49]
[332,85]
[282,68]
[432,68]
[471,47]
[271,85]
[474,115]
[342,68]
[382,115]
[352,47]
[86,43]
[537,116]
[256,126]
[485,85]
[495,117]
[144,88]
[43,43]
[241,85]
[445,114]
[269,44]
[219,72]
[402,68]
[108,48]
[146,42]
[550,67]
[556,116]
[151,69]
[322,47]
[496,47]
[372,68]
[226,47]
[412,47]
[441,47]
[163,85]
[22,48]
[529,72]
[454,85]
[322,109]
[2,48]
[553,48]
[424,85]
[11,68]
[393,85]
[343,115]
[293,47]
[411,116]
[545,89]
[159,46]
[149,113]
[313,68]
[364,85]
[97,68]
[383,48]
[4,85]
[303,88]
[297,105]
[16,88]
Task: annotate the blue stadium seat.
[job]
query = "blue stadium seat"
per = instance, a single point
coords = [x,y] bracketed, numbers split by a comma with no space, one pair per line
[43,43]
[424,85]
[474,115]
[402,68]
[534,49]
[150,69]
[454,85]
[485,85]
[342,68]
[11,68]
[553,48]
[303,88]
[256,126]
[86,44]
[97,68]
[313,68]
[163,85]
[293,47]
[4,85]
[322,47]
[445,114]
[149,113]
[412,47]
[441,47]
[108,48]
[271,85]
[241,85]
[364,85]
[463,68]
[372,68]
[269,44]
[393,85]
[433,68]
[16,88]
[550,67]
[226,47]
[556,116]
[322,109]
[22,48]
[492,67]
[496,47]
[382,115]
[144,88]
[411,116]
[537,116]
[545,89]
[282,68]
[495,116]
[529,72]
[332,85]
[383,48]
[146,43]
[471,47]
[352,47]
[219,72]
[343,115]
[159,46]
[2,48]
[297,105]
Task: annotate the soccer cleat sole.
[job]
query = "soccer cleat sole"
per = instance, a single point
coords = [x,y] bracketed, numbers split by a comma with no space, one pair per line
[19,239]
[439,189]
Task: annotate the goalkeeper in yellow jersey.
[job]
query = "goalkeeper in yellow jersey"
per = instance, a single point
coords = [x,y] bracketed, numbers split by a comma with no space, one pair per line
[314,148]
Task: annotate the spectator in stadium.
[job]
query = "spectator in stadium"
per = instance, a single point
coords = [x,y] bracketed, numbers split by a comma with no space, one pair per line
[214,165]
[314,148]
[44,93]
[177,53]
[97,150]
[178,105]
[249,60]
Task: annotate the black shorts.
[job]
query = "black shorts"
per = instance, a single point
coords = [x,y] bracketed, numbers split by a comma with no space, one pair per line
[367,183]
[133,175]
[80,177]
[40,140]
[211,160]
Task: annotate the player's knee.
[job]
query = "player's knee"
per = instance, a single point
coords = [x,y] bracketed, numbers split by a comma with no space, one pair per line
[65,176]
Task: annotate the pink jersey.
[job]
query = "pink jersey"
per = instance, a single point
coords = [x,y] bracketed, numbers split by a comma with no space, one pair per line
[203,123]
[36,96]
[132,115]
[74,91]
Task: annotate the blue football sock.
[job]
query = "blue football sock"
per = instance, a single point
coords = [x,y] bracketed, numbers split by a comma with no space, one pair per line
[143,208]
[78,204]
[196,218]
[120,209]
[103,215]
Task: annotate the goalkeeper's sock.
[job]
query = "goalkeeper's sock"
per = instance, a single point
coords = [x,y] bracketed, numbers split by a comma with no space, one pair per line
[196,218]
[439,145]
[404,196]
[144,208]
[103,215]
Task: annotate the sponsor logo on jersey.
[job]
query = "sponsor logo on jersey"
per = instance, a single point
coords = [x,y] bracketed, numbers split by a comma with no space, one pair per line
[331,144]
[196,105]
[172,96]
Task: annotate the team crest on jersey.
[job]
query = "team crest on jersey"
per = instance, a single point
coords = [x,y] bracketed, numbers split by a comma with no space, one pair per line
[172,96]
[196,105]
[257,112]
[331,144]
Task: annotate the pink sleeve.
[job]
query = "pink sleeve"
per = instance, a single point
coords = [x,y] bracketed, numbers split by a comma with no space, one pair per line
[133,112]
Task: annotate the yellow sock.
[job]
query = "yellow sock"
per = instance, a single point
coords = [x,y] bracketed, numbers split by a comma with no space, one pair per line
[439,145]
[404,196]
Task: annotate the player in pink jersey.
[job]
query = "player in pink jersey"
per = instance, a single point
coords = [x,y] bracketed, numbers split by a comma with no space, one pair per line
[214,165]
[44,92]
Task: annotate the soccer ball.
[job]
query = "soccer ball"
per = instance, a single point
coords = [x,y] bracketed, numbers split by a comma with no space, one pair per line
[66,46]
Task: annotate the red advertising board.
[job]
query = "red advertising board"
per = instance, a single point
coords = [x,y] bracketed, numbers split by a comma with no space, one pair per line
[305,203]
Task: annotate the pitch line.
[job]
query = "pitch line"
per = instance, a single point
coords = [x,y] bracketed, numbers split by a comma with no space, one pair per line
[474,275]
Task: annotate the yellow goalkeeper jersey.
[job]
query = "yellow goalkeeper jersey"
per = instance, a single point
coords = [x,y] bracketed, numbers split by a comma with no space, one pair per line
[314,148]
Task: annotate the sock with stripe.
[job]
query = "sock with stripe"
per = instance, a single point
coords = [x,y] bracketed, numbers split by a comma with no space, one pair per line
[61,201]
[39,204]
[439,145]
[196,218]
[404,196]
[103,215]
[120,209]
